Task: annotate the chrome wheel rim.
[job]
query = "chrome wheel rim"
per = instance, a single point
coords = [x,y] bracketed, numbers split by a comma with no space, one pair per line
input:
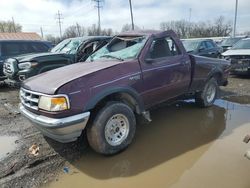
[116,129]
[211,92]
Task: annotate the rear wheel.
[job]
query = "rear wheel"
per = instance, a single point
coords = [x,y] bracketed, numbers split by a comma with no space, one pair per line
[207,97]
[113,128]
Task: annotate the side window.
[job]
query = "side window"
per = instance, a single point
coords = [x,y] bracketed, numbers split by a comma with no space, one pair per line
[209,45]
[163,47]
[39,47]
[10,49]
[203,46]
[87,50]
[27,48]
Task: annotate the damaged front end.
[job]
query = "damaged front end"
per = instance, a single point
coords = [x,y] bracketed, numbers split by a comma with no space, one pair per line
[240,64]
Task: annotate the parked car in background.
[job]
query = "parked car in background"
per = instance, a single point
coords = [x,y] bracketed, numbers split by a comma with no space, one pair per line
[239,55]
[227,43]
[125,78]
[69,51]
[11,48]
[202,47]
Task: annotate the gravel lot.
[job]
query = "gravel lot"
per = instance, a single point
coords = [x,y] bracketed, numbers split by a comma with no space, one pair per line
[20,168]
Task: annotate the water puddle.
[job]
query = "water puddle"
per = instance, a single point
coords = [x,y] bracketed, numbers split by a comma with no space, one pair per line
[184,146]
[7,145]
[241,100]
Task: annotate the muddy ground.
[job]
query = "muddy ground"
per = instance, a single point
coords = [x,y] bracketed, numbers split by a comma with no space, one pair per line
[20,168]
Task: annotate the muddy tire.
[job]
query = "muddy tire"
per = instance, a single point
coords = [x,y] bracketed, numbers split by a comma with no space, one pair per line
[113,128]
[207,97]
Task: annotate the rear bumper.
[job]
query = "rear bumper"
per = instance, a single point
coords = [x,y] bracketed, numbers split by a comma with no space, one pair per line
[63,130]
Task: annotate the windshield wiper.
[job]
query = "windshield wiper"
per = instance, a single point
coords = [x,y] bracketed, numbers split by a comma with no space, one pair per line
[114,57]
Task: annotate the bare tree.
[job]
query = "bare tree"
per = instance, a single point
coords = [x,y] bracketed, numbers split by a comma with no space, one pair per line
[128,27]
[54,40]
[93,31]
[184,29]
[10,27]
[74,31]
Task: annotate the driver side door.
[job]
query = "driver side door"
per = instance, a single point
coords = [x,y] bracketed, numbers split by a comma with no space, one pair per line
[166,71]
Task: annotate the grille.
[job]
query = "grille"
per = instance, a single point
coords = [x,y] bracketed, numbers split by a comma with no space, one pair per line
[29,99]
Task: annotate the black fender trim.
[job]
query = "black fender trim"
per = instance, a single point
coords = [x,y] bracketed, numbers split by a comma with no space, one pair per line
[215,71]
[109,91]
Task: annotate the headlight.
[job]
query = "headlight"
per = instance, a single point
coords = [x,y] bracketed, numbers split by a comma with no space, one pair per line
[26,65]
[53,104]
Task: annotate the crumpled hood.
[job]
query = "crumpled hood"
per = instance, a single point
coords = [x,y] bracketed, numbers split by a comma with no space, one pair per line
[36,56]
[237,52]
[49,82]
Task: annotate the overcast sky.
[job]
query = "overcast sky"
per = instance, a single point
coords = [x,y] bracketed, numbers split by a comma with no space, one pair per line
[33,14]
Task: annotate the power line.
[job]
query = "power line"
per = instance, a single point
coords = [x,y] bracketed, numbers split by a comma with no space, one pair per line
[98,6]
[59,18]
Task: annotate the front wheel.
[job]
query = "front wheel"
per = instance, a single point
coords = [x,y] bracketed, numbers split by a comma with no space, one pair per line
[208,95]
[113,128]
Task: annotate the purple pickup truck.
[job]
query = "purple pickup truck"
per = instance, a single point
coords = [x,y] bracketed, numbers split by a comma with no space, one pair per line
[132,73]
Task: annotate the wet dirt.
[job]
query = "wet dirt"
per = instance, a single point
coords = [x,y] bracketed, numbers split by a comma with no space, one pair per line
[184,146]
[7,145]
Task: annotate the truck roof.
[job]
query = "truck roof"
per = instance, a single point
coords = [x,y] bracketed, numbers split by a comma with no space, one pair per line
[146,33]
[90,37]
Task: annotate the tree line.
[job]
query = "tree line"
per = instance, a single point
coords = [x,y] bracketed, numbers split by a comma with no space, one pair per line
[220,27]
[216,28]
[9,27]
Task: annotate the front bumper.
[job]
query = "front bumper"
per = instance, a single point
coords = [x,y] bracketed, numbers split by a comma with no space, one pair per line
[63,130]
[2,78]
[240,67]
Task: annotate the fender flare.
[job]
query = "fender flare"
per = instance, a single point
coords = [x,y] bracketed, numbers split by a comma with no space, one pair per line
[115,90]
[215,71]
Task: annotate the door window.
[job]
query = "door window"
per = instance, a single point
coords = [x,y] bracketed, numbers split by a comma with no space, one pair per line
[39,47]
[163,47]
[203,46]
[209,45]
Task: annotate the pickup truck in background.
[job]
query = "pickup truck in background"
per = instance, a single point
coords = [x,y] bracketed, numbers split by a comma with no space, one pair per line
[69,51]
[12,48]
[132,73]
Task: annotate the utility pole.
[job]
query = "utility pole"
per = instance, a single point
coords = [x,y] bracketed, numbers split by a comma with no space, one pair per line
[59,18]
[78,29]
[41,29]
[189,22]
[131,14]
[14,26]
[98,6]
[235,18]
[190,14]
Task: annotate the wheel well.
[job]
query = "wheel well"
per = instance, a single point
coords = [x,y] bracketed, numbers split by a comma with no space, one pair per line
[119,96]
[218,77]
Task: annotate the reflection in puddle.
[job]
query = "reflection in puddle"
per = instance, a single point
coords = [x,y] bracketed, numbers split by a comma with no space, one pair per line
[184,146]
[7,145]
